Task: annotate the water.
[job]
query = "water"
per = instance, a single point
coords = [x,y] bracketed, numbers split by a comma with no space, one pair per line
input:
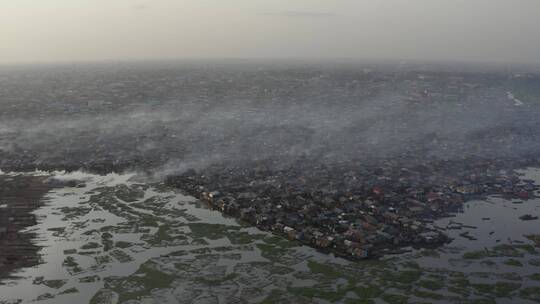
[117,239]
[53,216]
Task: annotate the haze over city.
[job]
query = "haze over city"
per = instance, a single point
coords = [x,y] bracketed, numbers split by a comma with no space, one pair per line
[269,151]
[434,30]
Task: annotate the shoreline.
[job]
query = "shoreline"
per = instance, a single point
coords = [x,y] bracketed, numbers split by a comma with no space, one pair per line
[20,196]
[357,219]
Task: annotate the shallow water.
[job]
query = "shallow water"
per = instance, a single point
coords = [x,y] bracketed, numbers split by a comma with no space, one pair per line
[119,240]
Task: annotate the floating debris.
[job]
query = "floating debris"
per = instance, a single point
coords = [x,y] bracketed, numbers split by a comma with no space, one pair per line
[528,217]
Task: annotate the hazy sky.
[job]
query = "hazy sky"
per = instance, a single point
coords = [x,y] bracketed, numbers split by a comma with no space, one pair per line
[73,30]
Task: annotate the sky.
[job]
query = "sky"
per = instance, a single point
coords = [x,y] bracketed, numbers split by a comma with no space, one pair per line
[433,30]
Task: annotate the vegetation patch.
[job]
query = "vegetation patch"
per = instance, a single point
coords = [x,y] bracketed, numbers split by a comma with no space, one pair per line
[314,292]
[535,238]
[104,296]
[165,235]
[368,292]
[531,293]
[71,213]
[475,255]
[103,259]
[128,194]
[431,284]
[141,283]
[70,262]
[503,250]
[325,269]
[527,248]
[58,231]
[483,288]
[45,296]
[91,245]
[55,284]
[242,237]
[535,276]
[428,295]
[69,291]
[513,262]
[121,256]
[210,231]
[123,245]
[272,252]
[510,276]
[89,279]
[395,298]
[403,276]
[534,262]
[505,289]
[216,281]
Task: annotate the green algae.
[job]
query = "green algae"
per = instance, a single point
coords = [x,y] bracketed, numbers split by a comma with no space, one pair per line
[327,270]
[503,250]
[70,262]
[368,292]
[482,301]
[57,231]
[216,281]
[463,291]
[199,242]
[69,291]
[428,295]
[106,241]
[431,284]
[510,276]
[527,248]
[90,245]
[70,251]
[274,297]
[89,279]
[272,252]
[147,278]
[210,231]
[128,194]
[535,276]
[430,253]
[147,221]
[534,262]
[535,238]
[488,263]
[121,256]
[475,255]
[104,296]
[513,262]
[531,293]
[315,292]
[499,289]
[505,289]
[272,268]
[358,301]
[395,298]
[103,259]
[483,288]
[403,276]
[45,296]
[243,237]
[123,245]
[55,284]
[166,235]
[71,213]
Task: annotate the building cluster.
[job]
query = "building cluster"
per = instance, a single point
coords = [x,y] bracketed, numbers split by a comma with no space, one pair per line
[351,211]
